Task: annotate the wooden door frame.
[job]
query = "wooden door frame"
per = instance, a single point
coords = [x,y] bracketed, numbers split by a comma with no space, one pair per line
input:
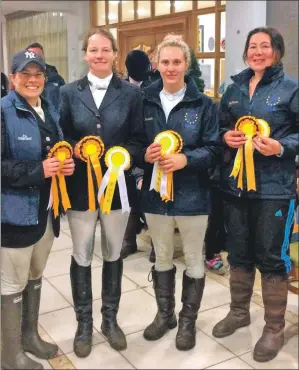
[152,27]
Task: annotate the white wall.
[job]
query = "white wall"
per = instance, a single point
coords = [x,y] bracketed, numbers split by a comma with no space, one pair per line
[78,23]
[241,17]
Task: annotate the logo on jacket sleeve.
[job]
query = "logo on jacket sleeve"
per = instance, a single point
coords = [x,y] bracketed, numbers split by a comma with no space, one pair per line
[272,102]
[191,118]
[24,137]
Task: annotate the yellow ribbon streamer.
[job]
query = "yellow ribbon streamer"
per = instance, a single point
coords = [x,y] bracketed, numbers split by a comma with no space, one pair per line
[62,151]
[250,174]
[110,190]
[91,194]
[55,196]
[250,126]
[171,143]
[65,200]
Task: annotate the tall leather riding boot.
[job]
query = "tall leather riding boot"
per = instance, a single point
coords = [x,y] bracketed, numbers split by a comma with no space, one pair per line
[165,319]
[191,299]
[111,293]
[12,352]
[275,294]
[82,296]
[31,339]
[241,289]
[133,228]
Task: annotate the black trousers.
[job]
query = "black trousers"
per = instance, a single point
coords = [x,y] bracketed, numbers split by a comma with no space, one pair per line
[259,233]
[215,238]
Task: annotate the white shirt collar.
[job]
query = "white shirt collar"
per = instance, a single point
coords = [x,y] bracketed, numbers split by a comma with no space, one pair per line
[96,80]
[134,82]
[176,95]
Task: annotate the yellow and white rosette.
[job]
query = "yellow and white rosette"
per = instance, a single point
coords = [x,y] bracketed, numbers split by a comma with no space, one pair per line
[91,149]
[249,125]
[117,160]
[171,143]
[62,151]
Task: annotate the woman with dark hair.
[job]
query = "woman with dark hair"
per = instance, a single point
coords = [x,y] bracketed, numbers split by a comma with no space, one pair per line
[29,129]
[100,104]
[259,209]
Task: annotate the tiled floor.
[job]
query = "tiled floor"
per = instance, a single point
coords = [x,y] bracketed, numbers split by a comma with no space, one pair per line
[138,308]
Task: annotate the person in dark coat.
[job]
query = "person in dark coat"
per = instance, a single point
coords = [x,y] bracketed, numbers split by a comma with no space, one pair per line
[138,66]
[174,103]
[259,222]
[29,128]
[103,105]
[54,80]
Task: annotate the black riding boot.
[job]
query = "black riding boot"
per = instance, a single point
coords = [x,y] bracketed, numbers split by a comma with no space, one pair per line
[82,296]
[164,286]
[111,292]
[191,299]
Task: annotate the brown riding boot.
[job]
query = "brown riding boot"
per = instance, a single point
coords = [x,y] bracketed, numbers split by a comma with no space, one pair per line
[275,293]
[241,289]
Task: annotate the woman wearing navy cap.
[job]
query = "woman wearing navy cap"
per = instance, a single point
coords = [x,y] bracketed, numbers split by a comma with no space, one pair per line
[29,128]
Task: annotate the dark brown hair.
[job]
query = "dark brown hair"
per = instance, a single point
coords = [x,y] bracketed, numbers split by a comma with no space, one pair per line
[100,31]
[276,38]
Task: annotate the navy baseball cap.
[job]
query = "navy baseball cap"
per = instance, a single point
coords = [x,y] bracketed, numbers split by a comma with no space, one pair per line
[25,57]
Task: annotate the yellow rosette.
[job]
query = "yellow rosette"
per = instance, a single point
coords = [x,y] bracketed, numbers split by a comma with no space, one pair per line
[117,160]
[171,143]
[91,149]
[250,125]
[62,151]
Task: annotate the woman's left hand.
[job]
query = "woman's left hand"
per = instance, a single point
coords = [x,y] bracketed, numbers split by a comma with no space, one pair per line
[173,162]
[68,167]
[266,145]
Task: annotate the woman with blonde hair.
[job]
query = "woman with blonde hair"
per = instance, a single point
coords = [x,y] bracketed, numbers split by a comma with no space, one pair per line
[175,104]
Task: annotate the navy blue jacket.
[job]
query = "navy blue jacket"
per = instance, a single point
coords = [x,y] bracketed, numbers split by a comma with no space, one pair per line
[276,101]
[118,121]
[52,86]
[195,118]
[22,172]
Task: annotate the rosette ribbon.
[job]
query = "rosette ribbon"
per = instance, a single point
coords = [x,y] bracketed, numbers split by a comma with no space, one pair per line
[62,151]
[117,160]
[249,125]
[171,143]
[91,149]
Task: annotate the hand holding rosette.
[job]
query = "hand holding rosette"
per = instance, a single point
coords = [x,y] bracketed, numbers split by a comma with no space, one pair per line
[250,126]
[117,160]
[61,151]
[171,143]
[91,149]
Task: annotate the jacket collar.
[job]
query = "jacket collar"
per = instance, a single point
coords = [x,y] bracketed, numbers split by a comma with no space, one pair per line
[271,74]
[86,97]
[152,92]
[21,103]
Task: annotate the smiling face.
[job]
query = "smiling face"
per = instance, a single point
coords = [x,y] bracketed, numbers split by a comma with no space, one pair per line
[172,66]
[30,82]
[260,53]
[100,55]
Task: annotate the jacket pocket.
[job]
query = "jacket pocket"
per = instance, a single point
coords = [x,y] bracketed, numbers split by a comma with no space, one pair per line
[20,207]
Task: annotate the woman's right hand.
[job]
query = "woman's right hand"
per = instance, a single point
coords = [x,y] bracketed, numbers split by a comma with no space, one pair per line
[50,166]
[235,139]
[153,153]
